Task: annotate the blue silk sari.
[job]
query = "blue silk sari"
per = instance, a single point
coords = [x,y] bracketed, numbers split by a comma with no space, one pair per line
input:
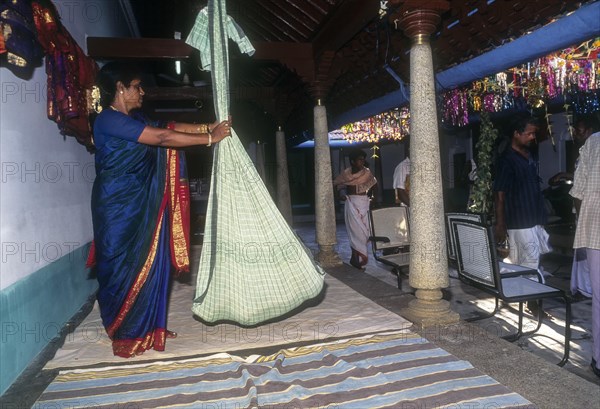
[140,210]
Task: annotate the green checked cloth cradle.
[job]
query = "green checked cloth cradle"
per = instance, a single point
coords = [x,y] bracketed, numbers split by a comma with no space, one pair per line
[253,268]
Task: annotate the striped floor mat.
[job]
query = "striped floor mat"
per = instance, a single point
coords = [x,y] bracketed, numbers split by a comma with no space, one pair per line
[392,370]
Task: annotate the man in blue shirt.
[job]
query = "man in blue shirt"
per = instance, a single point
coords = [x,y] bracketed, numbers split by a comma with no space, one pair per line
[519,203]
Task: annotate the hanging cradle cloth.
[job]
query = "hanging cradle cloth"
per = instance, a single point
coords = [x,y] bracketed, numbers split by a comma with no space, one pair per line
[253,268]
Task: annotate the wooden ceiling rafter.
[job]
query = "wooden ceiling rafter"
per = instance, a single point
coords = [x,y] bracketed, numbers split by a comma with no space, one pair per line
[287,19]
[342,48]
[322,7]
[273,33]
[303,11]
[270,74]
[460,38]
[349,19]
[250,30]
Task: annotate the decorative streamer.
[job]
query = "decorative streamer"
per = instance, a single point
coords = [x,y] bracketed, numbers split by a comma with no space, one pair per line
[572,73]
[390,125]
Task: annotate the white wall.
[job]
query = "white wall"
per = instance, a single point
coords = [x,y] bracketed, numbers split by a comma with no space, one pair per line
[46,179]
[551,161]
[450,145]
[391,155]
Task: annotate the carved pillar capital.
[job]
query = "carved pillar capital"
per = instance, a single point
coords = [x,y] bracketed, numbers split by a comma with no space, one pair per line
[419,24]
[318,91]
[419,19]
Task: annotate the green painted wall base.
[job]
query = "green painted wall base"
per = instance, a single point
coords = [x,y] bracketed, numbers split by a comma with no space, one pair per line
[34,310]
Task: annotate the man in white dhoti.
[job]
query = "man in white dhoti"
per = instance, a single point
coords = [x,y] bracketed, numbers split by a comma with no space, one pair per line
[354,184]
[581,283]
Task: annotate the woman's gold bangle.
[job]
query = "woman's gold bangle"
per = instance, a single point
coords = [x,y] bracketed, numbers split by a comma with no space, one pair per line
[202,128]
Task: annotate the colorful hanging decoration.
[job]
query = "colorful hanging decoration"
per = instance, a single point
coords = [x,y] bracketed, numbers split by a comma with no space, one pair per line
[391,125]
[549,126]
[569,121]
[573,73]
[375,149]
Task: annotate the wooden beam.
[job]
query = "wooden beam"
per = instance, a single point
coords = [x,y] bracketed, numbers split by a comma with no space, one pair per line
[282,51]
[177,93]
[297,56]
[122,48]
[294,55]
[193,93]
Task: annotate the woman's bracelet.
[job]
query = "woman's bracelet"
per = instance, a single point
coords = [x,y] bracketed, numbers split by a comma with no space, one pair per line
[202,128]
[209,138]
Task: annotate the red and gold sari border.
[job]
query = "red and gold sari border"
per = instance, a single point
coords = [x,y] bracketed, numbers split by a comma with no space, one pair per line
[128,348]
[179,211]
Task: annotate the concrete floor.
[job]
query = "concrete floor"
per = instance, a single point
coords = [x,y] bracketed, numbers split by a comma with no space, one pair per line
[471,303]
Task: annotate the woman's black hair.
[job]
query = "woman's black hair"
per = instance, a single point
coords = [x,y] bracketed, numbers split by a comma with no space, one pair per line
[107,79]
[356,153]
[110,74]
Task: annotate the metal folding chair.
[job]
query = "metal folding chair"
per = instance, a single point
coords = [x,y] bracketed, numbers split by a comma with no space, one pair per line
[390,238]
[479,267]
[450,239]
[505,268]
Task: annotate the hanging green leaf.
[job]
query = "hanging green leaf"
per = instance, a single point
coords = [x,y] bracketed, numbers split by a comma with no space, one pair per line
[480,199]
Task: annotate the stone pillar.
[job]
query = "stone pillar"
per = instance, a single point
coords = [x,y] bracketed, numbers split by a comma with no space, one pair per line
[324,200]
[428,258]
[284,201]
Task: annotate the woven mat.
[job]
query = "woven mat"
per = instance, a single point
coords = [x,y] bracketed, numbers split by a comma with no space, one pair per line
[398,369]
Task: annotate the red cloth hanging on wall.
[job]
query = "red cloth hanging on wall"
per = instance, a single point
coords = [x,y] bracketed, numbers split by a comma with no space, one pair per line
[71,74]
[2,45]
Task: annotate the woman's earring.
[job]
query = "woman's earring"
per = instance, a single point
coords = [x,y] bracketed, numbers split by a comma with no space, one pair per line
[120,92]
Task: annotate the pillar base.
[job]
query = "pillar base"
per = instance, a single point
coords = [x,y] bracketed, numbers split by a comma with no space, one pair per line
[327,257]
[429,309]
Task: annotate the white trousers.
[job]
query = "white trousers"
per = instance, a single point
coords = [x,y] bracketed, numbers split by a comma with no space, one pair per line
[526,247]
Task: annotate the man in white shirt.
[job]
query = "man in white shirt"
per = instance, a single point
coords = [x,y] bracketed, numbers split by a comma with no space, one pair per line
[402,179]
[586,188]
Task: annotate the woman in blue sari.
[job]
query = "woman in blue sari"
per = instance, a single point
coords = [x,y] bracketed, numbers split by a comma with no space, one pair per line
[140,211]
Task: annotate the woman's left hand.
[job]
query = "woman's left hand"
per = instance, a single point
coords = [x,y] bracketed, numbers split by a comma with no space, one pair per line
[212,126]
[220,130]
